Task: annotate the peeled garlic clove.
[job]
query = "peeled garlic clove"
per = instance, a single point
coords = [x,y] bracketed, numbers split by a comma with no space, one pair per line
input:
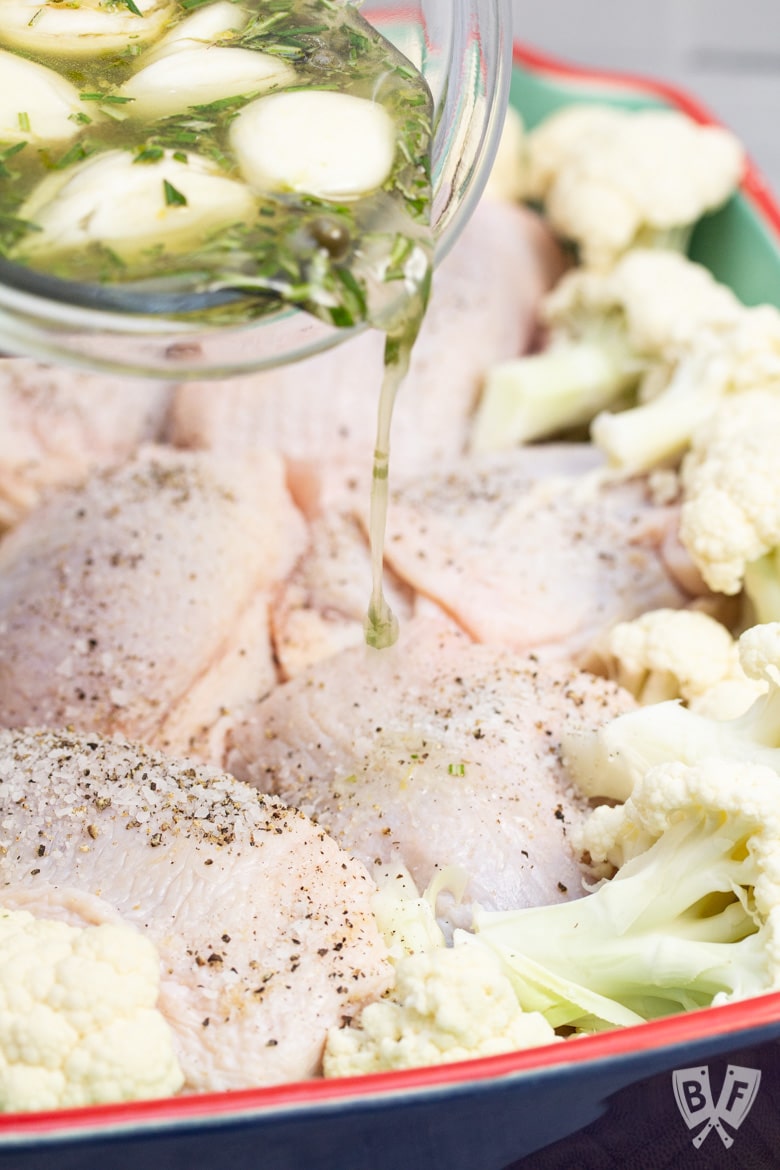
[84,29]
[36,104]
[205,26]
[112,199]
[195,77]
[318,142]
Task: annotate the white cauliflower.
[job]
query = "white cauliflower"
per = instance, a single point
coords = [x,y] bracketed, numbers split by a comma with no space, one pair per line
[78,1021]
[723,358]
[611,760]
[691,917]
[678,654]
[607,333]
[612,179]
[730,518]
[447,1003]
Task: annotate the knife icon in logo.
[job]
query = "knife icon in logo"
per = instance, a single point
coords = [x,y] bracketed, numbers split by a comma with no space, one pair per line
[693,1094]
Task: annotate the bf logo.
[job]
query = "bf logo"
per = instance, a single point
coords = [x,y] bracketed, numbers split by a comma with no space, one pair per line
[695,1101]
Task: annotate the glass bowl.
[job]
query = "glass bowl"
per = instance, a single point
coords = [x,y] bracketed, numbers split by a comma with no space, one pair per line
[464,52]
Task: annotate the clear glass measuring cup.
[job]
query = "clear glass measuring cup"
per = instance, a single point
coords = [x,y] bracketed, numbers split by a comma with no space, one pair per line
[463,49]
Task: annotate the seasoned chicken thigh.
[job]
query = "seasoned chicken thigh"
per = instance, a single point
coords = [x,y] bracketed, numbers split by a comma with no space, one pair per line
[321,607]
[528,550]
[321,414]
[437,753]
[58,424]
[138,603]
[263,925]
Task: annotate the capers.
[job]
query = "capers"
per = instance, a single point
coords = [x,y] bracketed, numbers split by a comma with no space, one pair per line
[331,235]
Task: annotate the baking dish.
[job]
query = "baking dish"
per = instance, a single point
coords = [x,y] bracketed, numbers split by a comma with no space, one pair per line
[636,1097]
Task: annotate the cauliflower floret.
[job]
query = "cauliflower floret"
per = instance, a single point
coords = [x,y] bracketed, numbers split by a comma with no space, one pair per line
[607,332]
[613,759]
[678,654]
[691,916]
[78,1021]
[448,1004]
[724,358]
[612,179]
[730,516]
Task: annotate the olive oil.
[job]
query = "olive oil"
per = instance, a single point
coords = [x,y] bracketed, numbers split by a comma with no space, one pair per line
[381,625]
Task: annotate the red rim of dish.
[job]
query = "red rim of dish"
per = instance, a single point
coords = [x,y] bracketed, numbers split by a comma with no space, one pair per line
[672,1031]
[687,1028]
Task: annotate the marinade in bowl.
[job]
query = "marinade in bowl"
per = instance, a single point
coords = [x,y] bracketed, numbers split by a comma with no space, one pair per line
[101,239]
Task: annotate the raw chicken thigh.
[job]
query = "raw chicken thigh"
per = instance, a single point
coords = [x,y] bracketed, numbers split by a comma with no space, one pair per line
[138,603]
[321,607]
[263,925]
[321,414]
[58,424]
[527,550]
[436,753]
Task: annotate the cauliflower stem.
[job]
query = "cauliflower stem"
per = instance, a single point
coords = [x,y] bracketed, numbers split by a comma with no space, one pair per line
[545,393]
[685,922]
[658,431]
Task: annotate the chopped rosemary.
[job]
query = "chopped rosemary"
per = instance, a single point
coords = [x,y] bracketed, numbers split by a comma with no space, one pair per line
[77,153]
[108,98]
[7,153]
[149,154]
[173,198]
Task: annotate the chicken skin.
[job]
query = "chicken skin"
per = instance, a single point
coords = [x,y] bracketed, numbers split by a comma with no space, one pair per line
[263,925]
[138,602]
[436,753]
